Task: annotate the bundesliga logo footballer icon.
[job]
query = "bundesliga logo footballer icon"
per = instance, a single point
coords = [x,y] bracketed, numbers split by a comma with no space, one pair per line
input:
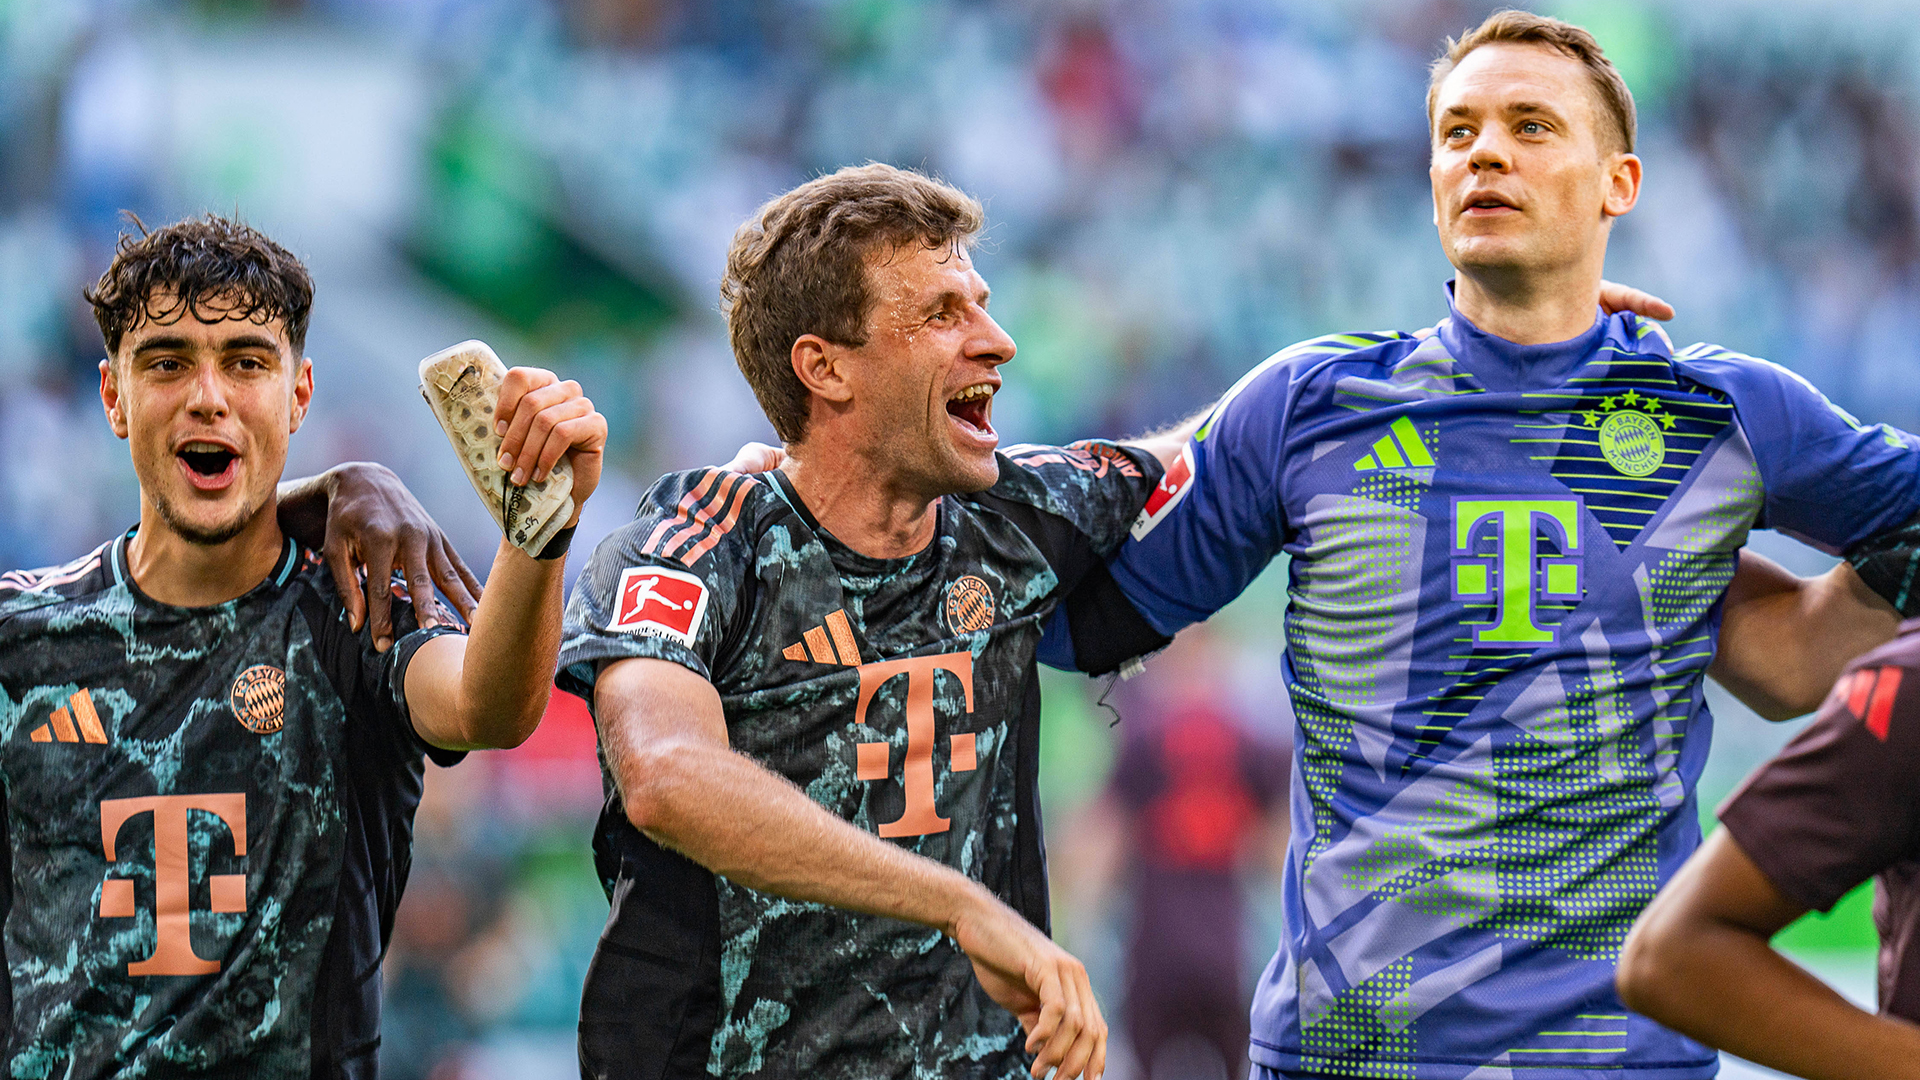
[659,603]
[1172,488]
[259,698]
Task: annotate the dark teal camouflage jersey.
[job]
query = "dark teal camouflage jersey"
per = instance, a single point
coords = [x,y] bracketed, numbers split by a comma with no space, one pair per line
[208,815]
[900,694]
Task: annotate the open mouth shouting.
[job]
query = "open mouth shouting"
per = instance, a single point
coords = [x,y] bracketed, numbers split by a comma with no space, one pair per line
[972,410]
[208,465]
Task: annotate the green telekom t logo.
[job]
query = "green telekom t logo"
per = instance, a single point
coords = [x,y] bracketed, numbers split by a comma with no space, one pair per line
[1515,574]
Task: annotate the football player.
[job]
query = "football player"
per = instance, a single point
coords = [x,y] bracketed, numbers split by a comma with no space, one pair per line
[209,775]
[1511,536]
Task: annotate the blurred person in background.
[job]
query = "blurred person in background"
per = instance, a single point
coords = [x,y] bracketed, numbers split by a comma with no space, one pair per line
[1839,806]
[1511,538]
[1195,810]
[205,662]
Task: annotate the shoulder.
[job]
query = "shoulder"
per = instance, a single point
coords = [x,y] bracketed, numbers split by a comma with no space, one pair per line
[1304,359]
[26,590]
[1724,369]
[1041,474]
[694,518]
[1264,394]
[319,597]
[695,534]
[1881,690]
[1902,652]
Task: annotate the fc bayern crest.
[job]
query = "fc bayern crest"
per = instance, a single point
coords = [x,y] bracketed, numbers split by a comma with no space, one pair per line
[969,605]
[259,698]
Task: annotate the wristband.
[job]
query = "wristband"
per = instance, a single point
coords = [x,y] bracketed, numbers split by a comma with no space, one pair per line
[557,547]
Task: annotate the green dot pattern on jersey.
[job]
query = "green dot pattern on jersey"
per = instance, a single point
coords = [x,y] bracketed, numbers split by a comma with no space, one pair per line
[1342,615]
[1365,1030]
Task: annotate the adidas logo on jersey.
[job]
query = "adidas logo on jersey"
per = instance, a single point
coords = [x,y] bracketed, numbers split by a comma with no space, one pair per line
[1399,448]
[82,724]
[830,643]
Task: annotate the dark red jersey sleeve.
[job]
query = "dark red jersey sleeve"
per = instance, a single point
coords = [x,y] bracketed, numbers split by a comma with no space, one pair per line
[1842,802]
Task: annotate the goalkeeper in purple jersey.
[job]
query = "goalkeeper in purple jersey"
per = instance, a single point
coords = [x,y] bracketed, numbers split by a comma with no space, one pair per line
[1512,540]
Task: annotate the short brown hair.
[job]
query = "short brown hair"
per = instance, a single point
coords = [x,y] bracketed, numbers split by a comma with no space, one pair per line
[798,266]
[202,266]
[1525,28]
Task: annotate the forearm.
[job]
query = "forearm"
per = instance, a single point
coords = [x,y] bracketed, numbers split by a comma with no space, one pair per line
[506,672]
[1723,984]
[753,827]
[1785,640]
[1165,443]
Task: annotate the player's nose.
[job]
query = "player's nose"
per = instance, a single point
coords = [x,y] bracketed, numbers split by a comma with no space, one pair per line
[207,393]
[1488,153]
[990,344]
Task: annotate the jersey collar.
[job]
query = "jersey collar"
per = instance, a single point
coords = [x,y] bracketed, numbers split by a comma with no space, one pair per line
[1502,365]
[277,578]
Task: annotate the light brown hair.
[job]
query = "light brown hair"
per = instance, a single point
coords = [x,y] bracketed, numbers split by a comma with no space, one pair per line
[798,266]
[1525,28]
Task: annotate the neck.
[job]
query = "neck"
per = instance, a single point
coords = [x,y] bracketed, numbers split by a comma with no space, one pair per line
[1528,307]
[862,500]
[173,570]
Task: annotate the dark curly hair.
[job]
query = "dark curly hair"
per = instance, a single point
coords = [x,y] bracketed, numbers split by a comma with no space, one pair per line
[210,267]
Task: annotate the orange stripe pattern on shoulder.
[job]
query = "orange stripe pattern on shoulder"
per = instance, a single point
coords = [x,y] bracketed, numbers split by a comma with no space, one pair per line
[706,515]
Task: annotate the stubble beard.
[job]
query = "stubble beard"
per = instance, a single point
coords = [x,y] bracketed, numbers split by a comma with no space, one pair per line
[200,535]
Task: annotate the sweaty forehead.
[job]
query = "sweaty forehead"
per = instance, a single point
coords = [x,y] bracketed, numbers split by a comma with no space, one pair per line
[911,274]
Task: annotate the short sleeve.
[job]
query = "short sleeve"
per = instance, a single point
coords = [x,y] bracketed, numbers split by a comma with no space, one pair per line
[1836,807]
[1096,487]
[668,585]
[1829,479]
[1076,504]
[371,684]
[1216,520]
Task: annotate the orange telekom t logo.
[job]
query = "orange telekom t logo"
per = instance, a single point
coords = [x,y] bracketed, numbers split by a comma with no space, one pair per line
[173,950]
[921,816]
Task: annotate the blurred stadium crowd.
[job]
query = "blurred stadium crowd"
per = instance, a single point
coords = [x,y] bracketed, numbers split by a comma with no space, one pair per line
[1176,189]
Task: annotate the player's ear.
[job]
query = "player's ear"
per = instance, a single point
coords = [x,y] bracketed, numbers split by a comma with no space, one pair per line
[1623,184]
[819,364]
[110,398]
[302,393]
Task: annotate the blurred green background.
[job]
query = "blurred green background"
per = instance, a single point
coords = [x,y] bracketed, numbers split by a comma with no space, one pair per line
[1176,189]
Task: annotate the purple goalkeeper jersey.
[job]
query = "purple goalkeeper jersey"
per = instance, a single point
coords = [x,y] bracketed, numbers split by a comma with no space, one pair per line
[1507,566]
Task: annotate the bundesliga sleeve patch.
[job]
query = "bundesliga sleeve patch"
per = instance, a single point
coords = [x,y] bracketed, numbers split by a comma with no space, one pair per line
[1173,487]
[659,603]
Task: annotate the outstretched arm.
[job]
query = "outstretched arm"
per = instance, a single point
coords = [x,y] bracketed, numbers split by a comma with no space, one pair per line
[1699,962]
[665,739]
[489,689]
[1784,639]
[1165,443]
[360,516]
